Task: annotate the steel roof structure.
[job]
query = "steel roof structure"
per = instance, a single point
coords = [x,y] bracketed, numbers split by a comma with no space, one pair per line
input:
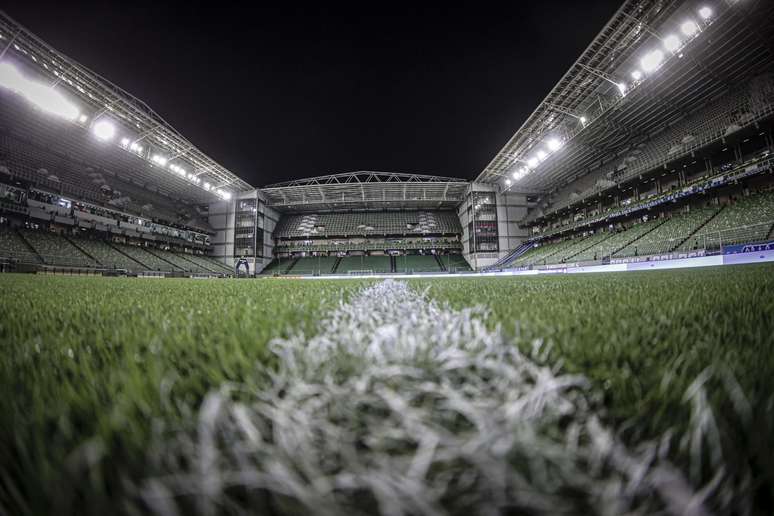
[98,97]
[729,49]
[366,190]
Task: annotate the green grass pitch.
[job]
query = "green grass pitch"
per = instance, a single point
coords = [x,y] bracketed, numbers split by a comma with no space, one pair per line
[91,369]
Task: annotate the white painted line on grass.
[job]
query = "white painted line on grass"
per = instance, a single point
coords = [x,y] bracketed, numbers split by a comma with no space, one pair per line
[402,406]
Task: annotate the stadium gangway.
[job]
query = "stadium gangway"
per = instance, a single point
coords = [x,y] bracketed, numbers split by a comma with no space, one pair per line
[523,248]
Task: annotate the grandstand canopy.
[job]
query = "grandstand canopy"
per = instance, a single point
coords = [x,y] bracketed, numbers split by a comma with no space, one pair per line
[366,190]
[618,94]
[181,170]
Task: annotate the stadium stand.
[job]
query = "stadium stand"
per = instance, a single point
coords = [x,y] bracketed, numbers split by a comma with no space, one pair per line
[745,220]
[13,246]
[106,255]
[375,264]
[417,263]
[313,265]
[149,261]
[365,223]
[208,263]
[617,241]
[56,250]
[669,235]
[455,263]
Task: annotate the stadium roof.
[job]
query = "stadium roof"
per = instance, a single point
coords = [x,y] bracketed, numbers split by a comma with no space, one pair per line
[620,91]
[365,190]
[171,161]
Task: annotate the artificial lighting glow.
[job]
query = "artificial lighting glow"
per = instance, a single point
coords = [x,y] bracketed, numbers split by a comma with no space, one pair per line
[541,155]
[41,95]
[636,75]
[583,120]
[689,28]
[554,144]
[705,13]
[532,162]
[652,60]
[159,160]
[226,195]
[104,130]
[621,87]
[207,186]
[515,174]
[507,182]
[82,119]
[671,43]
[124,142]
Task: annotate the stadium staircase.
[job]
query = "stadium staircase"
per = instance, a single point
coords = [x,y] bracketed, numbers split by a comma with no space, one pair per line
[513,255]
[440,262]
[290,267]
[84,251]
[771,233]
[336,265]
[698,228]
[128,256]
[393,265]
[30,247]
[204,265]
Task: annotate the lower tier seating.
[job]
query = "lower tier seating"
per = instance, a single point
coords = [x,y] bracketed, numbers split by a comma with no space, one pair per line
[416,263]
[313,265]
[55,249]
[13,246]
[106,255]
[376,264]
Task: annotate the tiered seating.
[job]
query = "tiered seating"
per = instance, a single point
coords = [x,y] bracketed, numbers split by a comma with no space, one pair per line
[209,263]
[12,246]
[368,245]
[668,235]
[313,265]
[617,241]
[542,253]
[455,263]
[278,266]
[106,255]
[571,251]
[416,263]
[744,221]
[178,260]
[378,264]
[56,250]
[368,223]
[149,261]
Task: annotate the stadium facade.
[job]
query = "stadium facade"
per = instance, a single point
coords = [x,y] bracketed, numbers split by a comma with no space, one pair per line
[655,143]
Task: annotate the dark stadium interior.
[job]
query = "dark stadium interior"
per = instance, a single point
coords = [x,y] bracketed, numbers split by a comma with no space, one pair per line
[390,259]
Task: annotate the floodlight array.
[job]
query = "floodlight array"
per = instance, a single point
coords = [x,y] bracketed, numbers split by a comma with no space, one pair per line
[650,62]
[114,113]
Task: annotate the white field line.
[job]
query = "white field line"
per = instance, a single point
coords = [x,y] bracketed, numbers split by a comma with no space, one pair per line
[402,406]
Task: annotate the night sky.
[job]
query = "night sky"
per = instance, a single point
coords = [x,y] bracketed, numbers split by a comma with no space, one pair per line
[282,93]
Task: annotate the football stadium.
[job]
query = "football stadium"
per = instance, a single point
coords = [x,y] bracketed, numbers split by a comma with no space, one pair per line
[585,326]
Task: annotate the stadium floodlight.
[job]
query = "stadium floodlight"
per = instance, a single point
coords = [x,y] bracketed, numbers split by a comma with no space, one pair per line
[622,87]
[41,95]
[136,147]
[689,28]
[705,13]
[541,155]
[652,60]
[515,175]
[583,121]
[672,43]
[507,182]
[206,186]
[83,119]
[554,144]
[636,75]
[159,160]
[532,162]
[226,195]
[124,142]
[104,129]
